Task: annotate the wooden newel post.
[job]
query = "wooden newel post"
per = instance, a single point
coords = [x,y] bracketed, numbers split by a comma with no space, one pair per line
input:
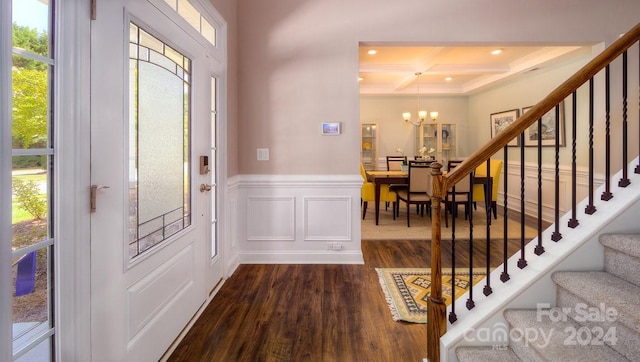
[436,307]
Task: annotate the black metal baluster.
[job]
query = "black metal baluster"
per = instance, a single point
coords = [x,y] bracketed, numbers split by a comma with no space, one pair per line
[624,181]
[470,302]
[607,195]
[573,222]
[487,288]
[590,208]
[556,235]
[504,276]
[522,262]
[452,314]
[539,249]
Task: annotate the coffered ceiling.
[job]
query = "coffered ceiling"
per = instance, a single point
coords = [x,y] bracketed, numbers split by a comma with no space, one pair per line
[457,70]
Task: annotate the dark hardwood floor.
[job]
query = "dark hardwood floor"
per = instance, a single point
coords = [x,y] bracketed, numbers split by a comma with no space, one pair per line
[317,312]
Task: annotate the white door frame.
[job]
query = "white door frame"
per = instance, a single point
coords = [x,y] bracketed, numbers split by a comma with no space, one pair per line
[71,228]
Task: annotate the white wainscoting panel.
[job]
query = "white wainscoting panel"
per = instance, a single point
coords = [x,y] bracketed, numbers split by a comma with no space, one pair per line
[548,188]
[271,218]
[322,211]
[303,219]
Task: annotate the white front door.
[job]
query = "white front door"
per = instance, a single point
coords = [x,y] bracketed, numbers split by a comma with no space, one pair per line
[151,112]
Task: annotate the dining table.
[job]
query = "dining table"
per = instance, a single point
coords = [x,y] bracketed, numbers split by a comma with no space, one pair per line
[379,178]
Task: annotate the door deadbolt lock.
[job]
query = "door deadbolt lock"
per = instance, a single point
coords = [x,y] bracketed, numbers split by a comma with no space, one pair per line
[205,187]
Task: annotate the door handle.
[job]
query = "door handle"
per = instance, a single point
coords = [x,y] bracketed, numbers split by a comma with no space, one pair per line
[205,187]
[93,192]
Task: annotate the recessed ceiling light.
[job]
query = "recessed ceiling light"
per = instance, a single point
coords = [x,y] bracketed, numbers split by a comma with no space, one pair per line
[372,52]
[496,52]
[360,78]
[448,79]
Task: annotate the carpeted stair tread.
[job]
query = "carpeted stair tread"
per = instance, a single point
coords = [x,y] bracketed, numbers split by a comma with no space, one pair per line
[625,243]
[622,256]
[548,338]
[602,288]
[485,354]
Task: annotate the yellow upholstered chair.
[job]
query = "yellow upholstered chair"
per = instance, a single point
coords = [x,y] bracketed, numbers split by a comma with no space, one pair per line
[479,191]
[368,193]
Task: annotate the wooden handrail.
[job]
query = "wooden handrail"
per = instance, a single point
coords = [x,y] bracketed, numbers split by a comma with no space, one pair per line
[436,309]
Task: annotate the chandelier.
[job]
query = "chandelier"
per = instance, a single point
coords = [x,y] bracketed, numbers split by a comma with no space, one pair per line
[422,115]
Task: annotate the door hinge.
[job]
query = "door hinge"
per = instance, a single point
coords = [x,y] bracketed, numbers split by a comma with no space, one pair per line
[93,10]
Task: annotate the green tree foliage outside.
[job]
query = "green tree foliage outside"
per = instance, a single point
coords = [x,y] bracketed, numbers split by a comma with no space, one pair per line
[30,40]
[30,113]
[30,93]
[29,108]
[29,198]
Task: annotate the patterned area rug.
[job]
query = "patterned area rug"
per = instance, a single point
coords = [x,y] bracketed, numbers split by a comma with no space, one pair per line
[407,289]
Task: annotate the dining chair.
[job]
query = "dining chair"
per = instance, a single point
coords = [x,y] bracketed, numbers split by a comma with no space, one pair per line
[368,193]
[460,194]
[479,191]
[394,163]
[418,187]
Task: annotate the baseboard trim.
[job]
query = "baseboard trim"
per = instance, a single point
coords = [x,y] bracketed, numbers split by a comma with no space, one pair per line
[302,257]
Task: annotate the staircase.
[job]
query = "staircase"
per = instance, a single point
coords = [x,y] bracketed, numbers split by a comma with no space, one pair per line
[596,317]
[582,308]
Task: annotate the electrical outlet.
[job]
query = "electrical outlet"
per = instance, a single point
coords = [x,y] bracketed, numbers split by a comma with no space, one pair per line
[263,154]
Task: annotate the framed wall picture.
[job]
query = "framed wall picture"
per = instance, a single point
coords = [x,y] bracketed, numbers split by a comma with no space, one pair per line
[549,131]
[500,121]
[331,128]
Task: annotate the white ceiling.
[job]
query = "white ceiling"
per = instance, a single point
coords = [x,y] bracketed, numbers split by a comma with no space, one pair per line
[392,69]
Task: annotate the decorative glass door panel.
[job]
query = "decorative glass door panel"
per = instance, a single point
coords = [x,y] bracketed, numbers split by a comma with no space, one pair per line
[439,140]
[429,140]
[369,146]
[159,176]
[448,150]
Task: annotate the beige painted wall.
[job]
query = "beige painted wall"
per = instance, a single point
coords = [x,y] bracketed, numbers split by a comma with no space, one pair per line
[526,91]
[298,62]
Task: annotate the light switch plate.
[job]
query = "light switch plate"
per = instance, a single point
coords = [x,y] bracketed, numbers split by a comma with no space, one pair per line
[263,154]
